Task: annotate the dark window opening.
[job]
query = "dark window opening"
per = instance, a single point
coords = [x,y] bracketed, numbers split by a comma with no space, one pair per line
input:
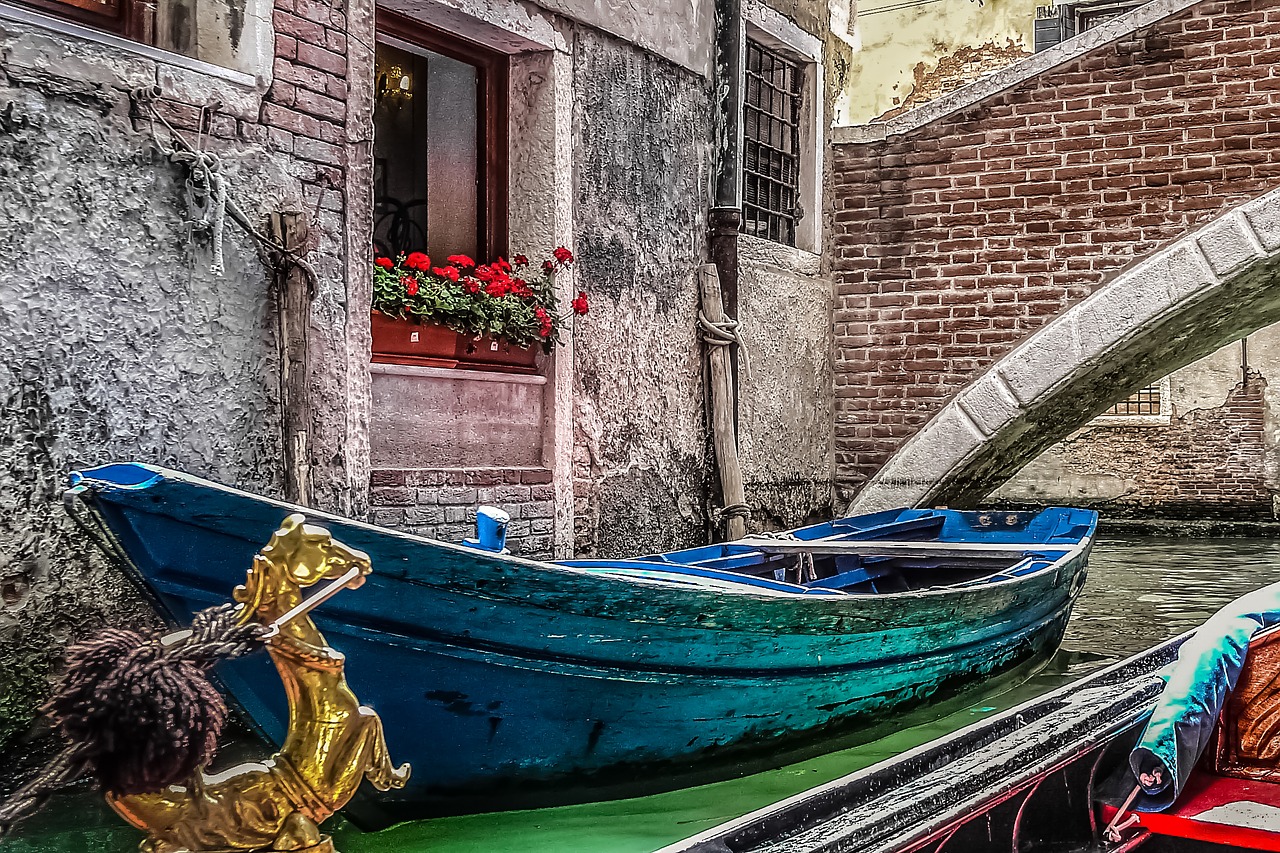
[439,144]
[771,145]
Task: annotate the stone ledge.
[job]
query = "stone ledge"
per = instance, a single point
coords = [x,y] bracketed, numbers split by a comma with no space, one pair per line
[529,476]
[1019,72]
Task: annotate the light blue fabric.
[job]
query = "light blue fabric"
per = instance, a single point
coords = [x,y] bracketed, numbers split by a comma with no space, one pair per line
[1205,672]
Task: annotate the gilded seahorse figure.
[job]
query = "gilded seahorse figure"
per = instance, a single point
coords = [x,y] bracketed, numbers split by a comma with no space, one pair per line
[332,743]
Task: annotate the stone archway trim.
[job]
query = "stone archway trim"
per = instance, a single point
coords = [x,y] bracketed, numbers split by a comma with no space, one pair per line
[1083,335]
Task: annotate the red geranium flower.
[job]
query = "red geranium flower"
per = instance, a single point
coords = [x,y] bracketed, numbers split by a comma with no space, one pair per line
[580,303]
[450,273]
[548,266]
[385,263]
[520,261]
[418,261]
[470,285]
[410,285]
[461,261]
[497,289]
[563,255]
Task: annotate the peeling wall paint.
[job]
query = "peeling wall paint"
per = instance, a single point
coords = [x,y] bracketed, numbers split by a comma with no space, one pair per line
[929,47]
[952,68]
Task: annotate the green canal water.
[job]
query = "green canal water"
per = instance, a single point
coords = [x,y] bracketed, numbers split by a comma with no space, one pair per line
[1140,591]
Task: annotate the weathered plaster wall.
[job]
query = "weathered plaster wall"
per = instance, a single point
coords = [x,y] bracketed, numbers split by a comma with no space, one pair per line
[641,170]
[1206,463]
[928,50]
[785,406]
[117,341]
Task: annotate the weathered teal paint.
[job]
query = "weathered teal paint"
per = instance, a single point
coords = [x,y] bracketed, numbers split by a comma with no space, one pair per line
[511,682]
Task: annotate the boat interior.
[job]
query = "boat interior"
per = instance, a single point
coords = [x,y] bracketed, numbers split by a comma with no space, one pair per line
[889,552]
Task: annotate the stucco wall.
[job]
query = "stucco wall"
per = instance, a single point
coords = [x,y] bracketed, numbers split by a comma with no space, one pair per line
[785,406]
[117,341]
[641,160]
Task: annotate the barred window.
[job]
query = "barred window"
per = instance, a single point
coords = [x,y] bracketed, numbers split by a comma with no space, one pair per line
[771,145]
[1145,401]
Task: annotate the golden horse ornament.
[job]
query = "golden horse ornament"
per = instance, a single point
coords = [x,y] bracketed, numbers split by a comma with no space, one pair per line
[332,743]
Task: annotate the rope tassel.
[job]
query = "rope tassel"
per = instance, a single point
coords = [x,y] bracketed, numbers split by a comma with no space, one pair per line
[139,712]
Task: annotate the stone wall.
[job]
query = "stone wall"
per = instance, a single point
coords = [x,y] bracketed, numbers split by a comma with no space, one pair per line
[977,218]
[441,504]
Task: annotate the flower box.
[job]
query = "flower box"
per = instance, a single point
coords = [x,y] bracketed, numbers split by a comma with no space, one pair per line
[398,341]
[403,342]
[488,351]
[506,317]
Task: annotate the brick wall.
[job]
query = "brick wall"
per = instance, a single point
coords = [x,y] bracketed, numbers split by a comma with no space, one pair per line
[1207,463]
[955,240]
[441,503]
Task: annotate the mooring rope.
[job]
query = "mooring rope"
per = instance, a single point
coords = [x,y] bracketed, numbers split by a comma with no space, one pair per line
[723,334]
[208,191]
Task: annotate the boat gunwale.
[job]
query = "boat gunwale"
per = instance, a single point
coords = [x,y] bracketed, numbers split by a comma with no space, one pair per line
[83,481]
[988,732]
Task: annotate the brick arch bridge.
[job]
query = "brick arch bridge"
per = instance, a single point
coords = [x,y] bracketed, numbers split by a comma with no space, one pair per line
[1131,163]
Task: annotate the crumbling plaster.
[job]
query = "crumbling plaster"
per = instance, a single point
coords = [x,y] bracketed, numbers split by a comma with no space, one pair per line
[117,341]
[1085,468]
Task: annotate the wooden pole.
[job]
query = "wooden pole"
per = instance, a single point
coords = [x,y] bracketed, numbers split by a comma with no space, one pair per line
[293,316]
[722,406]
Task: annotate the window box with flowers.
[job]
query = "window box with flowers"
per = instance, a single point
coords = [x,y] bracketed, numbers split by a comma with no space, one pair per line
[486,316]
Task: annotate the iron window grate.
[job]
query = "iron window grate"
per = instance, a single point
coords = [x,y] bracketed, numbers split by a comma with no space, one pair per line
[771,145]
[1145,402]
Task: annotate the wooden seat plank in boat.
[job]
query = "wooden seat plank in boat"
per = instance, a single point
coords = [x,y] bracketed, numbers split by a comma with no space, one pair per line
[1233,812]
[839,547]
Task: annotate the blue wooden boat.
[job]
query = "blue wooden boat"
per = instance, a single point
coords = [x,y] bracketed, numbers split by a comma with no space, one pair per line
[509,682]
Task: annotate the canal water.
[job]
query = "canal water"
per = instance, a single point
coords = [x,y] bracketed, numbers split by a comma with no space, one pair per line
[1139,591]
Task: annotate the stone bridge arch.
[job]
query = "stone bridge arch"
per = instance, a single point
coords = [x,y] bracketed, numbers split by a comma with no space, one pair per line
[1195,295]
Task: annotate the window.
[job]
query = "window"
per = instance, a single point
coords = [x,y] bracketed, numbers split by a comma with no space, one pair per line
[771,144]
[1145,401]
[1150,406]
[440,143]
[215,31]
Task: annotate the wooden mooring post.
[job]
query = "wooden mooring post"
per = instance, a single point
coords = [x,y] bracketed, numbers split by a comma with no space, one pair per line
[293,316]
[724,435]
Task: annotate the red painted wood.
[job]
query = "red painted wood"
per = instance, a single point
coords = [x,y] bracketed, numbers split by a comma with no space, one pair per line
[1203,793]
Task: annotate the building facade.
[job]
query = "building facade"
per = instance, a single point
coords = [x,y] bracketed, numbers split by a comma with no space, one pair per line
[140,320]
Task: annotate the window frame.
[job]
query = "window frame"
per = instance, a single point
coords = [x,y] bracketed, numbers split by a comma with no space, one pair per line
[493,143]
[131,20]
[774,31]
[794,99]
[1112,418]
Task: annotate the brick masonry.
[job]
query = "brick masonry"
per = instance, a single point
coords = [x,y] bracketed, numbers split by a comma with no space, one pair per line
[441,504]
[953,242]
[1207,463]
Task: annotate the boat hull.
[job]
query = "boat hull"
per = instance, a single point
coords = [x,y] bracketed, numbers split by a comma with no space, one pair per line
[511,683]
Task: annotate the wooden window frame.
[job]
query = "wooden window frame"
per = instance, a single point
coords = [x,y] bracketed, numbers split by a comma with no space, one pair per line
[132,19]
[492,140]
